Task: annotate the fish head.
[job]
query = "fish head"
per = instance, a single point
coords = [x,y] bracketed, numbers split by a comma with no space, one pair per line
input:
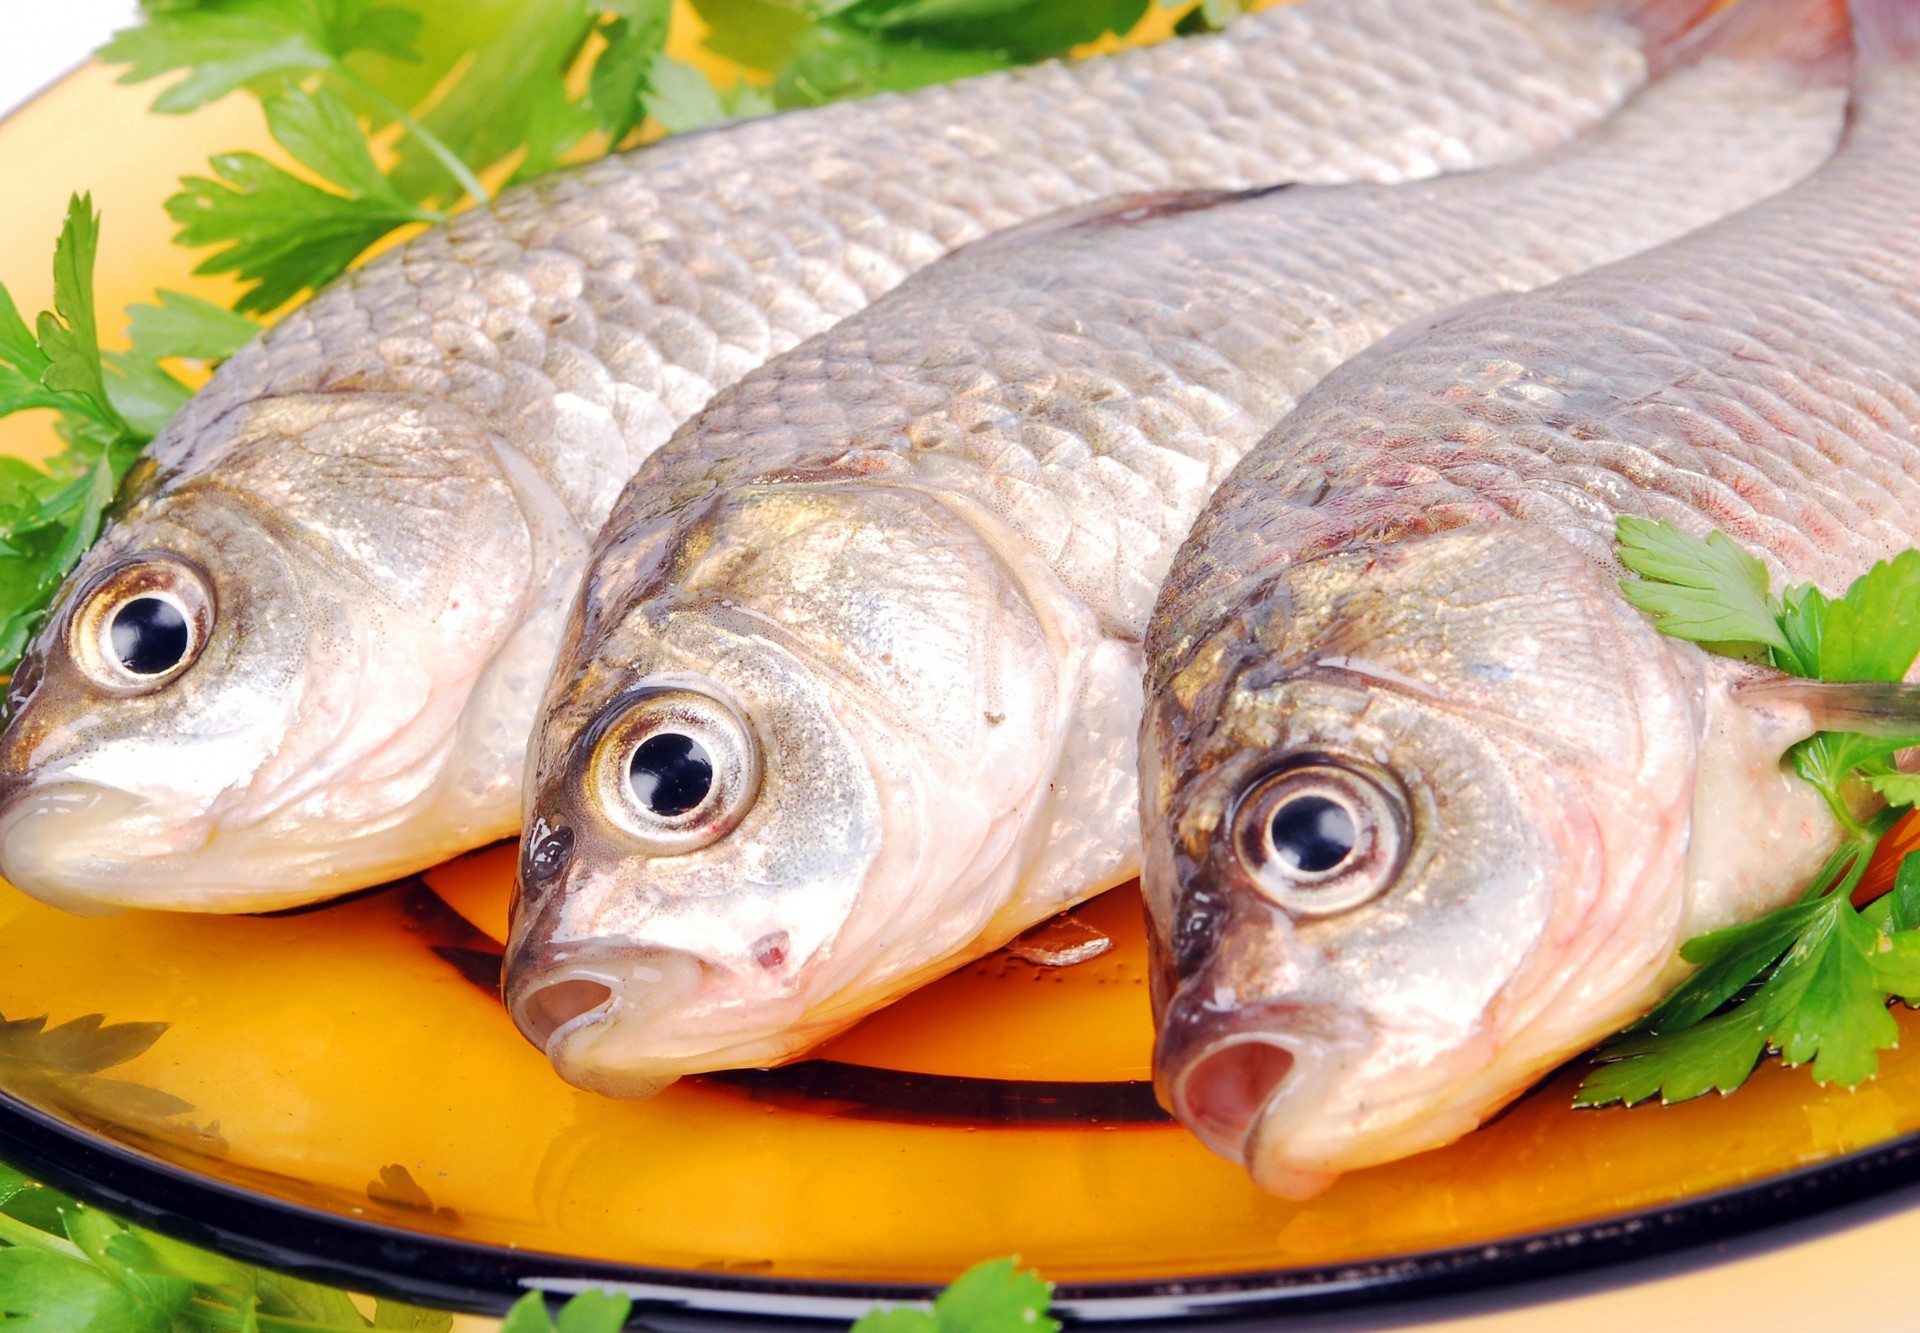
[770,780]
[233,705]
[1416,819]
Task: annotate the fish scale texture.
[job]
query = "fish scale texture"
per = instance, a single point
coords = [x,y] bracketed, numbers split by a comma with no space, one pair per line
[1762,377]
[587,314]
[1090,382]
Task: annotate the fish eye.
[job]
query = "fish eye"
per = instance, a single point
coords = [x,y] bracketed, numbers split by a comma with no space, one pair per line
[674,768]
[140,623]
[1320,837]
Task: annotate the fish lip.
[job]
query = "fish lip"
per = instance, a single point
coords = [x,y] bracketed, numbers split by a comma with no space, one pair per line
[1304,1060]
[647,988]
[1318,1038]
[85,882]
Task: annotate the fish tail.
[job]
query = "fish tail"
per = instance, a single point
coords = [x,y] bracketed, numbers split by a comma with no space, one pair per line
[1811,36]
[1886,31]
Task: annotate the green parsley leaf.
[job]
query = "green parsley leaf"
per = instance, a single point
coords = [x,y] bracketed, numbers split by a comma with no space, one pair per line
[1872,633]
[1018,29]
[594,1312]
[1810,980]
[681,99]
[1898,789]
[834,62]
[240,41]
[1903,902]
[186,326]
[47,518]
[528,1315]
[222,51]
[486,116]
[277,231]
[761,34]
[1207,16]
[68,339]
[1832,1009]
[320,130]
[42,1292]
[635,41]
[991,1297]
[1711,591]
[995,1297]
[1714,1056]
[1730,959]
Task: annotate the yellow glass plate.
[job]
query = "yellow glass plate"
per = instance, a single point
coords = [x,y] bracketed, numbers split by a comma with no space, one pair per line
[339,1091]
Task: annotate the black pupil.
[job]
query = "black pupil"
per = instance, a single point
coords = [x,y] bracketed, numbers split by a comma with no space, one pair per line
[1312,834]
[150,636]
[671,774]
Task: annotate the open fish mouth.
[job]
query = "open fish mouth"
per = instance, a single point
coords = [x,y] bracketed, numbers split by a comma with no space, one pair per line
[1247,1081]
[629,1021]
[1226,1093]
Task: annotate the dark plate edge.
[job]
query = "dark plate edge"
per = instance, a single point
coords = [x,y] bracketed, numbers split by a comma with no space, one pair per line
[382,1260]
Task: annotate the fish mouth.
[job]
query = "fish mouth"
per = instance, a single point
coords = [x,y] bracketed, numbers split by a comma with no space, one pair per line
[51,840]
[91,849]
[1224,1093]
[1252,1082]
[625,1022]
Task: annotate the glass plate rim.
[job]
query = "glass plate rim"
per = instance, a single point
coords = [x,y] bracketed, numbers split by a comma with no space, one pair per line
[472,1277]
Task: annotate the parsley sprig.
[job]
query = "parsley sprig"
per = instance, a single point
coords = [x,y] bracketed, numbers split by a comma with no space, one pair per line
[66,1266]
[1811,980]
[997,1296]
[524,88]
[393,114]
[108,406]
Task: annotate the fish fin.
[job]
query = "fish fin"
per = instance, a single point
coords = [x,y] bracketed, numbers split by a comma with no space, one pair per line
[1663,24]
[1812,36]
[1880,709]
[1117,211]
[1886,31]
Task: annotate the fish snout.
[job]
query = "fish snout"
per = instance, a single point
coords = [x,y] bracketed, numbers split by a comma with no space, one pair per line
[70,843]
[1229,1071]
[586,1010]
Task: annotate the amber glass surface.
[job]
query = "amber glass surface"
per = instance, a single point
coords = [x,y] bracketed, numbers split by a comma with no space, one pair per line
[356,1058]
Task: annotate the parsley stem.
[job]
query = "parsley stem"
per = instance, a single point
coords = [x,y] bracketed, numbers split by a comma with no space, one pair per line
[447,158]
[15,1232]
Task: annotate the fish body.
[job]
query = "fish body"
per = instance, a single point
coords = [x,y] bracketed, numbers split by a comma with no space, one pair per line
[893,585]
[359,541]
[1428,807]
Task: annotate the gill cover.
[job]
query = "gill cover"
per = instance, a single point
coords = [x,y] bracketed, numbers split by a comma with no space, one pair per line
[1420,825]
[252,686]
[787,773]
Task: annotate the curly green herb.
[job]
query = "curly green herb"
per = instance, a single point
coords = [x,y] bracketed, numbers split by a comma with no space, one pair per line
[398,115]
[1810,981]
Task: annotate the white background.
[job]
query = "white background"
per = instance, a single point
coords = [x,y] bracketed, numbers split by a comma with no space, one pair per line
[40,41]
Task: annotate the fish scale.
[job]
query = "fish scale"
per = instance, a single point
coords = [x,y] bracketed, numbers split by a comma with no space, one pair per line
[668,273]
[1758,381]
[539,347]
[1093,417]
[928,541]
[1407,597]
